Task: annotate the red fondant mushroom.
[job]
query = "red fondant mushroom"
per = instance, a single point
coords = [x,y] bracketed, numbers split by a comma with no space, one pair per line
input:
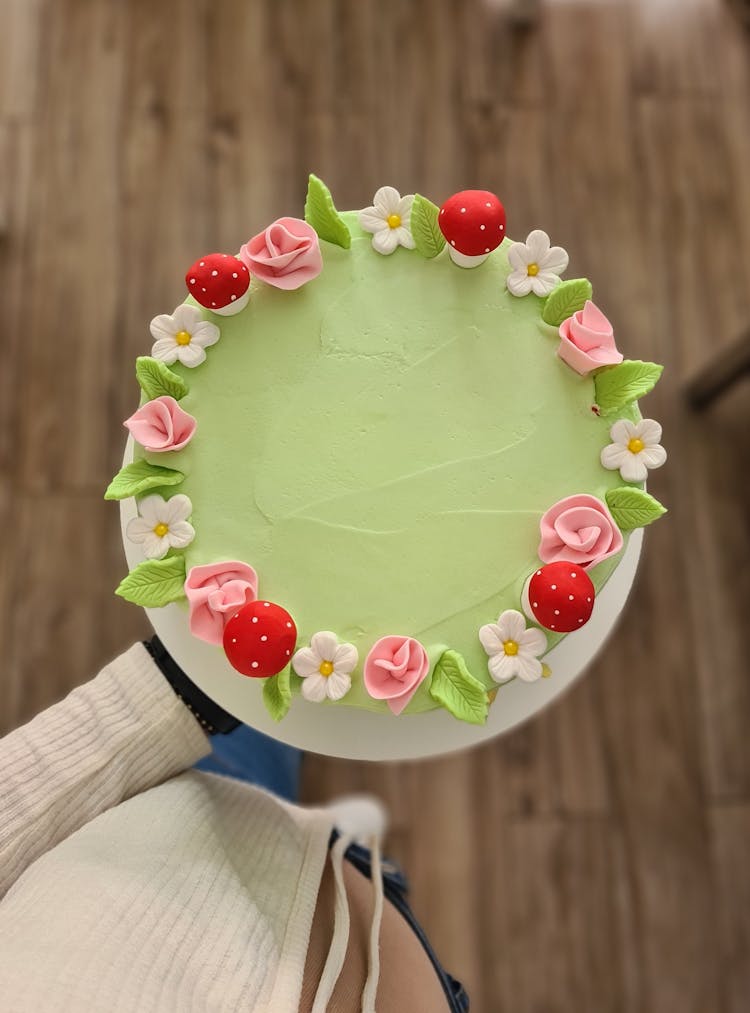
[473,223]
[219,282]
[259,639]
[559,596]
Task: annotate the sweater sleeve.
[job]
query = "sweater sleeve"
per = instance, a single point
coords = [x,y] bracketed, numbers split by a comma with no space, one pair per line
[117,735]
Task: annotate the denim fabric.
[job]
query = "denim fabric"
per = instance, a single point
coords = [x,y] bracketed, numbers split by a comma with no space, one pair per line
[253,757]
[396,889]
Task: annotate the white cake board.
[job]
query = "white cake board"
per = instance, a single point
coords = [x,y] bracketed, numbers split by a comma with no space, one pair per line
[356,734]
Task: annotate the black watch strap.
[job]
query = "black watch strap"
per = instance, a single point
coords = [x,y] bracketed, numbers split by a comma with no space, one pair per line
[214,719]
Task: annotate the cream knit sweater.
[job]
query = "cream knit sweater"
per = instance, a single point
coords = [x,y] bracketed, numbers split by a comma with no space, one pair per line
[129,882]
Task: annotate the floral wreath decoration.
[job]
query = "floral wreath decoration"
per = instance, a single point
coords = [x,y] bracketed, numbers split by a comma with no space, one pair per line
[259,637]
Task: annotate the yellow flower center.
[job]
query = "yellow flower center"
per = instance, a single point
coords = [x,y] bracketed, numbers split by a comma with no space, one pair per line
[183,337]
[510,647]
[393,221]
[533,270]
[635,446]
[326,668]
[161,529]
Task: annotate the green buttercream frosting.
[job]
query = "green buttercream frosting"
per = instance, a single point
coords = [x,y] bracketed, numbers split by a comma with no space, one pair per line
[380,446]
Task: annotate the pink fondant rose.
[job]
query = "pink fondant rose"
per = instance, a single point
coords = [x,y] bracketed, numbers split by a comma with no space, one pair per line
[587,340]
[161,425]
[578,529]
[215,592]
[286,255]
[394,669]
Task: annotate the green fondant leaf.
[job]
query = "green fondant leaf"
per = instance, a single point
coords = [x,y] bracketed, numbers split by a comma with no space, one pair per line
[617,386]
[155,583]
[428,238]
[455,688]
[277,694]
[565,300]
[321,213]
[156,379]
[633,508]
[138,477]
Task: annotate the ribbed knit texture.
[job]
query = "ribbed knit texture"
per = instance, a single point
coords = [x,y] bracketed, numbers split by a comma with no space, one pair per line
[130,886]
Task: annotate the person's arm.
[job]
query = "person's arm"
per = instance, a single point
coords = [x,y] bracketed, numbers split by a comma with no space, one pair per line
[116,736]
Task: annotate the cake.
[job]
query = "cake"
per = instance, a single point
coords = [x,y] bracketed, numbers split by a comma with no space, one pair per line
[386,458]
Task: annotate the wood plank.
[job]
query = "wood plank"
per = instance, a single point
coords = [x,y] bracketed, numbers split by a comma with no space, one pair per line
[60,442]
[66,622]
[731,833]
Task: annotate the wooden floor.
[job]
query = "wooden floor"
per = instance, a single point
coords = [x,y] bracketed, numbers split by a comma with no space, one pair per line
[597,859]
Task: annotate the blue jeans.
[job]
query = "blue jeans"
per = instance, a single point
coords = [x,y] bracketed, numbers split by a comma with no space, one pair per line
[251,756]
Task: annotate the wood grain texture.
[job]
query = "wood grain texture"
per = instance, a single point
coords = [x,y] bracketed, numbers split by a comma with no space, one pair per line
[594,860]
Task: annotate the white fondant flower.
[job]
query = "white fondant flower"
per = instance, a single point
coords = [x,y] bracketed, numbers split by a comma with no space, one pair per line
[537,266]
[512,648]
[326,666]
[162,525]
[183,335]
[635,448]
[388,220]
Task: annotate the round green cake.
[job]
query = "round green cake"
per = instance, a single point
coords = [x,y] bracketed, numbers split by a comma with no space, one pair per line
[380,445]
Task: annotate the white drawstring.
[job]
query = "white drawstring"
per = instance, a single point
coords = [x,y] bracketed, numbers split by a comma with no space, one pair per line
[373,959]
[337,950]
[340,939]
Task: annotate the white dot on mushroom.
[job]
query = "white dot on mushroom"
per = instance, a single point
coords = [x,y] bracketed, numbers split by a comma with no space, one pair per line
[254,619]
[264,638]
[553,586]
[214,274]
[570,597]
[254,664]
[557,612]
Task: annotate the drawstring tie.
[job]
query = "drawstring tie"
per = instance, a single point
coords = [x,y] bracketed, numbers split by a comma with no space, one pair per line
[340,939]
